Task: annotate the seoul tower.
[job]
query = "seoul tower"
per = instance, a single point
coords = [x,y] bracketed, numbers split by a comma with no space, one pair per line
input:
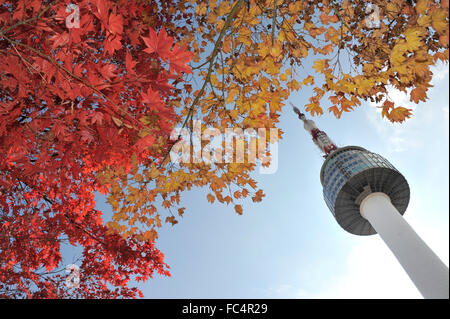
[367,195]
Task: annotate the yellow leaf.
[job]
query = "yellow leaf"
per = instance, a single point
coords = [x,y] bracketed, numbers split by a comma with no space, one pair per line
[154,172]
[234,114]
[314,108]
[212,18]
[439,20]
[309,80]
[224,8]
[276,50]
[293,85]
[424,21]
[214,80]
[201,9]
[414,38]
[397,54]
[112,225]
[392,8]
[320,65]
[422,6]
[263,50]
[335,111]
[150,235]
[368,67]
[220,24]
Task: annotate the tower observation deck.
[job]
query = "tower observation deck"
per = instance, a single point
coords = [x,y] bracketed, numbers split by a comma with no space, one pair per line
[367,195]
[351,173]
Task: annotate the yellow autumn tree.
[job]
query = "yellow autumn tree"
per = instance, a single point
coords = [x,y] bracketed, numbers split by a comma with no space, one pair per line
[249,55]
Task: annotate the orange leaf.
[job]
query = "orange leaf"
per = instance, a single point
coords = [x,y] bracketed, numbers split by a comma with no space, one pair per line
[418,94]
[210,198]
[399,114]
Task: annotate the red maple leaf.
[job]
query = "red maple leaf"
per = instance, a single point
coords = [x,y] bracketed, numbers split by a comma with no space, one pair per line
[60,39]
[129,63]
[102,10]
[159,43]
[144,143]
[112,43]
[97,117]
[87,136]
[179,57]
[107,71]
[152,97]
[115,23]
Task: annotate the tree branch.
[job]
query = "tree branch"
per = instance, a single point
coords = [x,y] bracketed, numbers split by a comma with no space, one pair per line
[213,55]
[3,31]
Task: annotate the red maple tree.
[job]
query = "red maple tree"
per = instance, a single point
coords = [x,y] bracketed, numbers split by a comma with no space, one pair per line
[77,97]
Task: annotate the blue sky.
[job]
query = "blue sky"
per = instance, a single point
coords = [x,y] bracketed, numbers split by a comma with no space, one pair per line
[289,245]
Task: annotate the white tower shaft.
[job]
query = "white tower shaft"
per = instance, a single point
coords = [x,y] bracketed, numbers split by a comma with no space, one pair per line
[423,266]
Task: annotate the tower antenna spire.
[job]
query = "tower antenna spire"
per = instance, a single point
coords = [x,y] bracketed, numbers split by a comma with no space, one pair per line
[320,138]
